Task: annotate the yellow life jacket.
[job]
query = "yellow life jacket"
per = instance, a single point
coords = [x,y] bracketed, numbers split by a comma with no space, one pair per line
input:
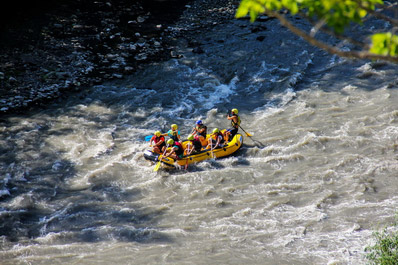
[236,125]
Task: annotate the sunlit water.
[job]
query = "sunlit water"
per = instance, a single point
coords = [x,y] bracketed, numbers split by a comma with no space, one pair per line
[311,185]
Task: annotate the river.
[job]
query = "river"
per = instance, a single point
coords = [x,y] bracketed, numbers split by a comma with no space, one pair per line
[311,185]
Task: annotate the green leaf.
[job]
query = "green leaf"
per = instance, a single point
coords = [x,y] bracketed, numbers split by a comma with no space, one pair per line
[384,44]
[243,9]
[385,250]
[251,7]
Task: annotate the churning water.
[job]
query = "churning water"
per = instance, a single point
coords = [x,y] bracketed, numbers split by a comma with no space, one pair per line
[311,185]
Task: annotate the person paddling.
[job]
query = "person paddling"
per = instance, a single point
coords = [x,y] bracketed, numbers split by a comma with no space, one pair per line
[235,123]
[217,141]
[177,151]
[174,133]
[194,145]
[158,142]
[200,130]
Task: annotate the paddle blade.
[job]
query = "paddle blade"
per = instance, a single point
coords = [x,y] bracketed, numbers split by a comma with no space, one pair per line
[157,166]
[148,138]
[248,134]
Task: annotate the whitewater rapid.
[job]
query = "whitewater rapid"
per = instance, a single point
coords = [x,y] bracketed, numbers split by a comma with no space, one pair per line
[314,182]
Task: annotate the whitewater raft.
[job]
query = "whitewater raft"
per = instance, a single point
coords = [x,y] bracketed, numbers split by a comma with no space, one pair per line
[228,149]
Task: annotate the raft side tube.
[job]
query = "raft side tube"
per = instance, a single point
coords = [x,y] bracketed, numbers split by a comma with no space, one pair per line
[227,150]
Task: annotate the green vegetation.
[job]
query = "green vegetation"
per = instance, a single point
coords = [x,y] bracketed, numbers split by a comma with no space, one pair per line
[385,44]
[333,17]
[385,250]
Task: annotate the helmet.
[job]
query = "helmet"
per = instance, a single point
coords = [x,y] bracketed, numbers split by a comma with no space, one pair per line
[158,133]
[174,127]
[216,130]
[190,137]
[199,122]
[170,142]
[234,111]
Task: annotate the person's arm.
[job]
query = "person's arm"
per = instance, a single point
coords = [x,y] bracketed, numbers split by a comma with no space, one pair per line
[189,149]
[234,119]
[218,141]
[231,118]
[171,152]
[160,142]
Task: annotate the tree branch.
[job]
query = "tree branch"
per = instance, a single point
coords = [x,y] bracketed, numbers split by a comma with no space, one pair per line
[378,14]
[350,54]
[331,32]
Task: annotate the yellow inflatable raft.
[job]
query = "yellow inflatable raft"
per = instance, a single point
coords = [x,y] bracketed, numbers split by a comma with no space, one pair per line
[227,150]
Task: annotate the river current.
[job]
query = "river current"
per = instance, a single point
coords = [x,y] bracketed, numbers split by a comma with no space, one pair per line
[311,185]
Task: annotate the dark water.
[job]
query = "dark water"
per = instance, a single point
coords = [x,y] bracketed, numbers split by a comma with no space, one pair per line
[317,178]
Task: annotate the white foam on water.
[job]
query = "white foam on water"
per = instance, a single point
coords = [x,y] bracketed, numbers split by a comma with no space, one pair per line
[220,94]
[311,194]
[4,192]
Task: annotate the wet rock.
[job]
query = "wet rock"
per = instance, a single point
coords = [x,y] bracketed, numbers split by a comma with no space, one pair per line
[140,19]
[119,76]
[141,57]
[198,50]
[95,41]
[174,54]
[260,38]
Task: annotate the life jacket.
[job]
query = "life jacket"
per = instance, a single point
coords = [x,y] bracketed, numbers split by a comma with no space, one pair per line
[180,149]
[235,125]
[219,134]
[204,133]
[157,139]
[197,145]
[173,135]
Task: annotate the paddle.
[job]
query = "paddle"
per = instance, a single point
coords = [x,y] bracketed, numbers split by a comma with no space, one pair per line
[256,142]
[148,138]
[212,148]
[160,159]
[247,134]
[188,151]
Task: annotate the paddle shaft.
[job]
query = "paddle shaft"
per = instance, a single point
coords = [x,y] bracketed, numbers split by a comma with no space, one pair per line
[160,159]
[247,134]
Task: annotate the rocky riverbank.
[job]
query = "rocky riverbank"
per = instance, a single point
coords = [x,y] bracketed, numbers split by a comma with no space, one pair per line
[82,43]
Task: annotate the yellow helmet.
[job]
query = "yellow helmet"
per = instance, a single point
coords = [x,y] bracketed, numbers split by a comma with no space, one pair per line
[190,137]
[174,127]
[216,130]
[158,133]
[170,142]
[234,111]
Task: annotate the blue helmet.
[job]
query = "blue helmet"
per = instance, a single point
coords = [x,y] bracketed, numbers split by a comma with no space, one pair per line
[198,122]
